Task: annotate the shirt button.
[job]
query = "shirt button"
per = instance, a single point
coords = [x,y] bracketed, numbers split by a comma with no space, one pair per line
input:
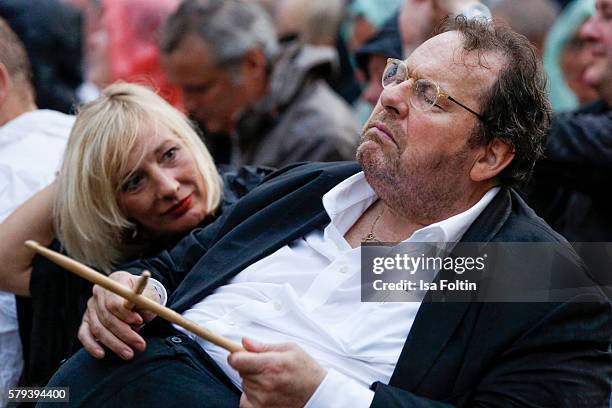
[344,269]
[277,305]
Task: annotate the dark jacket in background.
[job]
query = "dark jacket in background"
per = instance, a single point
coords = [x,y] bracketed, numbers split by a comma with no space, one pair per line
[386,43]
[571,186]
[51,33]
[344,82]
[300,118]
[49,319]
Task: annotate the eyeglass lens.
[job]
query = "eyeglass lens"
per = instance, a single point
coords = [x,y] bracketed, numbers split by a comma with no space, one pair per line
[424,92]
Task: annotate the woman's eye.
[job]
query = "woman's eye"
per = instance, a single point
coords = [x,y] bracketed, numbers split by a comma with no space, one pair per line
[132,183]
[170,154]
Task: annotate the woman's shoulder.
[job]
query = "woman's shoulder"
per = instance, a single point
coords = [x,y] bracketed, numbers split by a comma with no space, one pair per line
[239,180]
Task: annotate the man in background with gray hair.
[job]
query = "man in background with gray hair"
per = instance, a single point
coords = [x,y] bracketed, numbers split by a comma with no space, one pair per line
[236,80]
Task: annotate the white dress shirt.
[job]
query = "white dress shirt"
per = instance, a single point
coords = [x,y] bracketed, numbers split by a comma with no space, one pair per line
[309,292]
[31,147]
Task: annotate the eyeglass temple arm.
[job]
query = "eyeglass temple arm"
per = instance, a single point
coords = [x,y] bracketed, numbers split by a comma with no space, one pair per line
[465,107]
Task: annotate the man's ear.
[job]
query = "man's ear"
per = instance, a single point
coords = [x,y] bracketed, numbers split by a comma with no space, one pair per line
[494,157]
[5,80]
[253,66]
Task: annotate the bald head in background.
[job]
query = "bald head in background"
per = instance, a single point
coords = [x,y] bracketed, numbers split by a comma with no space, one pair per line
[532,18]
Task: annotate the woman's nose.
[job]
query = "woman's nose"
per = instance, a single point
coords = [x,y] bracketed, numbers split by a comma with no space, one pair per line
[167,184]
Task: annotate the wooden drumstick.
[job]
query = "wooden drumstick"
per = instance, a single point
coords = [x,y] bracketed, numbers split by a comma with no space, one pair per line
[140,285]
[97,278]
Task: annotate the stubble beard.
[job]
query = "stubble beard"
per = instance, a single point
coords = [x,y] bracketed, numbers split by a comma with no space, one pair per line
[423,190]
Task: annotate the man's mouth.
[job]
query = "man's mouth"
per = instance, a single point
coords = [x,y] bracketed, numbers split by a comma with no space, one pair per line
[598,50]
[181,207]
[382,131]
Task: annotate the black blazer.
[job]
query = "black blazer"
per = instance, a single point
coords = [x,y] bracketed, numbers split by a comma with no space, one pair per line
[456,354]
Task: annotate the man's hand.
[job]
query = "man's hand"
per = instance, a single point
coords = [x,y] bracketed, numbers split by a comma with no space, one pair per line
[108,321]
[276,375]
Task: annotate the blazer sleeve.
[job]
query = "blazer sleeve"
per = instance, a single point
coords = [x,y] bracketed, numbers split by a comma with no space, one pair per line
[561,361]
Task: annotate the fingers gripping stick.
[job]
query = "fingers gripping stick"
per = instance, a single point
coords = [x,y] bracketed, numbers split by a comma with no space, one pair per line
[142,283]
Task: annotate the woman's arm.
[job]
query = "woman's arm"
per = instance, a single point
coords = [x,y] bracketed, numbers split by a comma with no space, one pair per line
[32,220]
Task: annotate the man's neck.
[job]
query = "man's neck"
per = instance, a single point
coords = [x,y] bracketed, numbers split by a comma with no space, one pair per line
[10,111]
[389,224]
[407,225]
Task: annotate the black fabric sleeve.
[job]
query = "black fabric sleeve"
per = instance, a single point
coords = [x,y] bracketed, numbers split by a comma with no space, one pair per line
[578,152]
[581,139]
[239,181]
[58,300]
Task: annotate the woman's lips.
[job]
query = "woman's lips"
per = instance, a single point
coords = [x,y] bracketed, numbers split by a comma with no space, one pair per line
[181,208]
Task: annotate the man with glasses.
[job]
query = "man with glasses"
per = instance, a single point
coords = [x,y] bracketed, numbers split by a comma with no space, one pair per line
[425,92]
[458,123]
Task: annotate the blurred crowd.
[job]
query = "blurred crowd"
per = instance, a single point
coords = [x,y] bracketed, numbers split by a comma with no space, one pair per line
[78,47]
[276,82]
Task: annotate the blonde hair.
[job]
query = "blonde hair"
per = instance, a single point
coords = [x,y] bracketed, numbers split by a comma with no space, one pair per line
[88,219]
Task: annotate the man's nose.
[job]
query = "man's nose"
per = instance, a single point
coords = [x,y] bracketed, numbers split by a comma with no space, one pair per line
[590,30]
[395,98]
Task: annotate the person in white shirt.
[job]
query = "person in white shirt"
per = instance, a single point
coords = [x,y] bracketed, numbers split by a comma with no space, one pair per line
[32,142]
[458,123]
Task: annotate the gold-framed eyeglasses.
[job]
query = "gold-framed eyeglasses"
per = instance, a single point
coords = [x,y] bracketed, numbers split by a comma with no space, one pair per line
[425,92]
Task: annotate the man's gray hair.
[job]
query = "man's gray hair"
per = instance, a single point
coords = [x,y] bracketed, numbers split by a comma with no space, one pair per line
[228,27]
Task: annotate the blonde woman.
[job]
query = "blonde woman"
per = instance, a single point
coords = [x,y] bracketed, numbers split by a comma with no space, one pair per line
[135,178]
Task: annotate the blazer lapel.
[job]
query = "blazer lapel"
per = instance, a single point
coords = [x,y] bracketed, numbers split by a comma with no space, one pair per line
[437,320]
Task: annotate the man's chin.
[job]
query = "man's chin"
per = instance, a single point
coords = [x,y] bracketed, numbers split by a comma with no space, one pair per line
[365,148]
[370,155]
[597,74]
